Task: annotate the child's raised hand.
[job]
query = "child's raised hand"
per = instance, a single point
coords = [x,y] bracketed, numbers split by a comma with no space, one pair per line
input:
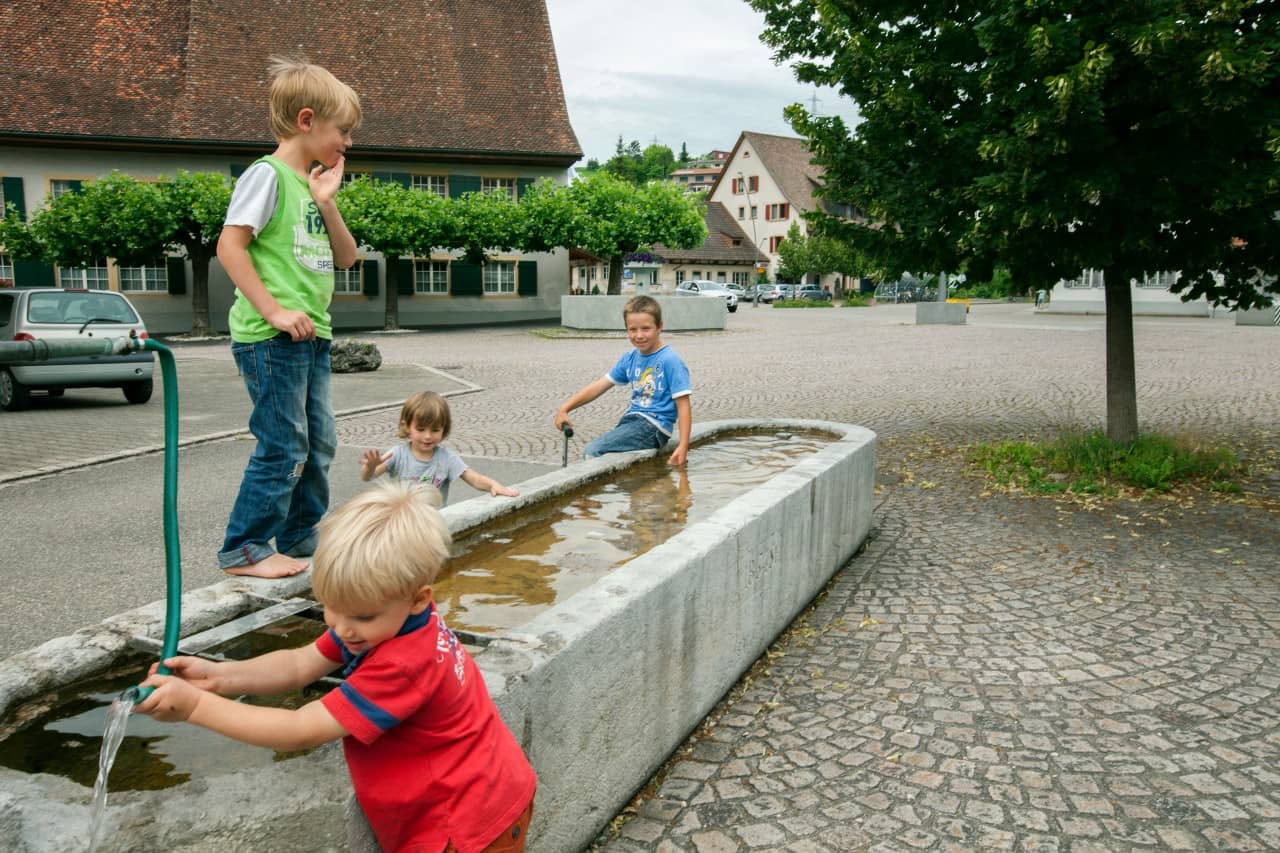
[325,183]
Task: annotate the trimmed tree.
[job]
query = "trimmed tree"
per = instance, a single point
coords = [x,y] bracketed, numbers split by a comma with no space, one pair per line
[398,222]
[197,207]
[611,218]
[116,216]
[1129,138]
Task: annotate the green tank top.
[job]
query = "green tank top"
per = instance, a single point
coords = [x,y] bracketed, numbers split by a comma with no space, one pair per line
[293,258]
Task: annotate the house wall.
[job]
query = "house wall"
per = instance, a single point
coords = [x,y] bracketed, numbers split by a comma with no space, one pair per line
[166,313]
[587,276]
[1085,295]
[748,162]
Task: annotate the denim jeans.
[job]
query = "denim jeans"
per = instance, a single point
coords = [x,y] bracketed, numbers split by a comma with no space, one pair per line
[632,433]
[285,489]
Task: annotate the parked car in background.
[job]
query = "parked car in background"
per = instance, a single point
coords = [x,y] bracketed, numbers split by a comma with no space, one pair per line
[701,287]
[58,314]
[739,291]
[813,292]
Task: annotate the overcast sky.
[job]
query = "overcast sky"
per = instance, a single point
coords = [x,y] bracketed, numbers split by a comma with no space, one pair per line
[691,71]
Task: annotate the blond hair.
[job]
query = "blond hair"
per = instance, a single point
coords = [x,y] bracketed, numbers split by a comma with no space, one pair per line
[425,410]
[382,545]
[297,84]
[643,305]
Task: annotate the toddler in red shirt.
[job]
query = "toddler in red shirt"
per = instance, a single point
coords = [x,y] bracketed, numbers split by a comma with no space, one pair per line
[432,763]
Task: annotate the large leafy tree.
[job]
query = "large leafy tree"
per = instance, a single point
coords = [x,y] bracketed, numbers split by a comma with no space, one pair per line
[1052,137]
[197,206]
[397,221]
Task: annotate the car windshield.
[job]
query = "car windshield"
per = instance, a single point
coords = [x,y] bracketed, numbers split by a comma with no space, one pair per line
[711,285]
[77,307]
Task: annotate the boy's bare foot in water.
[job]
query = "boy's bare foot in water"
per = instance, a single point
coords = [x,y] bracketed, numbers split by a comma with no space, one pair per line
[275,566]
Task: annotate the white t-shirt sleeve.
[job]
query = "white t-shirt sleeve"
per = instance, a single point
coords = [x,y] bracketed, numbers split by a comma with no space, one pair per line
[253,201]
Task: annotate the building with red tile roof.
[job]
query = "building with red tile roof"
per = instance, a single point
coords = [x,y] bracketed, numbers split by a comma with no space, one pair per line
[452,92]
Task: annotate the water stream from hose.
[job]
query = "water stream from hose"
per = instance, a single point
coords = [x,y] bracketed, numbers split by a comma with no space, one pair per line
[117,721]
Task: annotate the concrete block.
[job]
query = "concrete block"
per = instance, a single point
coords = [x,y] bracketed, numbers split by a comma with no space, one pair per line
[932,313]
[1259,316]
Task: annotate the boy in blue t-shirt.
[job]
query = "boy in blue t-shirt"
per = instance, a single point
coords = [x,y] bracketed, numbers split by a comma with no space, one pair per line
[659,390]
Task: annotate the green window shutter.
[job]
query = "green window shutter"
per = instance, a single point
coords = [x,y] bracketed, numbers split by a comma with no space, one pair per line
[401,178]
[404,276]
[75,186]
[459,184]
[238,169]
[522,184]
[369,276]
[13,196]
[33,274]
[527,278]
[176,273]
[465,279]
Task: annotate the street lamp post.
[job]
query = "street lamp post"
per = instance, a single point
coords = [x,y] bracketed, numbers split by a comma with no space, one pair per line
[755,246]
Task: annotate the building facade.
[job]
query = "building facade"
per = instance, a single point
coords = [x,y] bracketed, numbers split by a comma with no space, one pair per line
[150,89]
[767,184]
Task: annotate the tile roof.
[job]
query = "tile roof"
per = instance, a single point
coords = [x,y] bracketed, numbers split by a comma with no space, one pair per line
[442,77]
[722,231]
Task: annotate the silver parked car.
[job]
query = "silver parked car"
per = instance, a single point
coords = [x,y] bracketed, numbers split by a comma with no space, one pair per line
[701,287]
[54,313]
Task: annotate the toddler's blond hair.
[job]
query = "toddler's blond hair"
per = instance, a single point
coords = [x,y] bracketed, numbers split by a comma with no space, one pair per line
[382,545]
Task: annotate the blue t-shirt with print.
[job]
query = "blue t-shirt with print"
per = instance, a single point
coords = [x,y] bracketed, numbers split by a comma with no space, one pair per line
[656,380]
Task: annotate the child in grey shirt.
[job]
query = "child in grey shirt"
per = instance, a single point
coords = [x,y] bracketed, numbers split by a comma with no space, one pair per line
[421,458]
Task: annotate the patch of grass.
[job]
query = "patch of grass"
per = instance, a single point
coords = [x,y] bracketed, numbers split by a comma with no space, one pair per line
[1091,464]
[801,303]
[856,301]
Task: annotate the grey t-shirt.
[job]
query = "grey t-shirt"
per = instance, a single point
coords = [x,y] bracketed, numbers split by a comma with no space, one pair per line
[440,470]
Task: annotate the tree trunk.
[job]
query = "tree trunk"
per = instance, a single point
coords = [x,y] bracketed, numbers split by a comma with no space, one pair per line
[200,326]
[615,275]
[1122,389]
[391,319]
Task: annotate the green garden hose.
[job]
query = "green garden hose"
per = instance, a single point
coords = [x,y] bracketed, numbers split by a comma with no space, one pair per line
[12,352]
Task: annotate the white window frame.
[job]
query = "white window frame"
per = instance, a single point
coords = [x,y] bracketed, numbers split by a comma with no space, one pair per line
[59,187]
[96,277]
[438,184]
[679,277]
[507,185]
[430,277]
[499,278]
[349,281]
[6,265]
[150,278]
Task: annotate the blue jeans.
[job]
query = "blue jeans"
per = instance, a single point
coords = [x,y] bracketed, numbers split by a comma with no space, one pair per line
[632,433]
[285,489]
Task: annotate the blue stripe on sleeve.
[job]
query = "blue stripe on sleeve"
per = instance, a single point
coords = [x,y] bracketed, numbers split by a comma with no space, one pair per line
[371,712]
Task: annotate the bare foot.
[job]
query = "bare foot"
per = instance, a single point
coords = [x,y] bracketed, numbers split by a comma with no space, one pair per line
[275,566]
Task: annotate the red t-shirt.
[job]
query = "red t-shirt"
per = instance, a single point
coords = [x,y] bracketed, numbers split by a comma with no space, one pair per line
[430,758]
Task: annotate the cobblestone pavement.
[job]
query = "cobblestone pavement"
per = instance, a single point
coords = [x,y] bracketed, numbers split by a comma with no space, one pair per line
[991,672]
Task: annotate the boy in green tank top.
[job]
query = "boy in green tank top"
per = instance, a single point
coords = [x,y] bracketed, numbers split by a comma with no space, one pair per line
[282,237]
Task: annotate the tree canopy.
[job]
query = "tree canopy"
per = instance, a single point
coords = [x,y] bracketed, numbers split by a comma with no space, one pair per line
[1050,138]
